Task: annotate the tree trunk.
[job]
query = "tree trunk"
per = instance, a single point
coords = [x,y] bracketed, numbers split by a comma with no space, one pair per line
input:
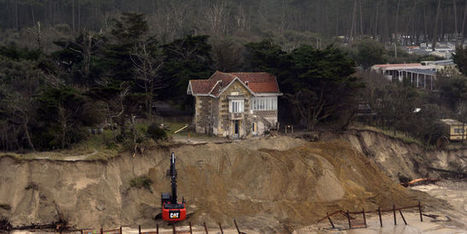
[455,18]
[361,18]
[79,16]
[414,23]
[62,120]
[425,26]
[28,136]
[396,27]
[385,22]
[463,23]
[337,23]
[73,15]
[16,15]
[375,32]
[353,25]
[435,30]
[32,16]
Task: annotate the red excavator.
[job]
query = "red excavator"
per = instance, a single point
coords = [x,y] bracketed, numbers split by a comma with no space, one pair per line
[172,211]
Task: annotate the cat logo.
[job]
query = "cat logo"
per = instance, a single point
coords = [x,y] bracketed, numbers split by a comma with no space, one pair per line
[174,215]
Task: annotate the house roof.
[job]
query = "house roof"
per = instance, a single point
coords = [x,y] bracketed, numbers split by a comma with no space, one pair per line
[397,66]
[451,122]
[255,82]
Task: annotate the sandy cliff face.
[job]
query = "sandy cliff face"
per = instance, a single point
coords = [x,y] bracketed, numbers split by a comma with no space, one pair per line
[266,183]
[398,158]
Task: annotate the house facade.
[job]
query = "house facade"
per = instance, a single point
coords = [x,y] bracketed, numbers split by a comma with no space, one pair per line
[235,104]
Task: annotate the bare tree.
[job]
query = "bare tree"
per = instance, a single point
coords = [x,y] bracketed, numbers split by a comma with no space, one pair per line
[147,60]
[463,23]
[17,101]
[216,17]
[435,30]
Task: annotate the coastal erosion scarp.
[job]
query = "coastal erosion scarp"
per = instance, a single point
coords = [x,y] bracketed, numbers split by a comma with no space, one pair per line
[274,184]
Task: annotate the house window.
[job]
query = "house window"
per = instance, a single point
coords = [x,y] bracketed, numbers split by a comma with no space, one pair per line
[458,130]
[236,106]
[254,127]
[264,103]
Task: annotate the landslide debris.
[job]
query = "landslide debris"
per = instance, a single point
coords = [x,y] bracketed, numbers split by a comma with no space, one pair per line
[273,184]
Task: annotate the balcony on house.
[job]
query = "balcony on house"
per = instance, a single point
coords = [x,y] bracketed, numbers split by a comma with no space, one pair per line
[236,115]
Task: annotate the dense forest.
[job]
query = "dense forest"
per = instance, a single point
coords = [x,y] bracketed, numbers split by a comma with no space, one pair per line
[69,66]
[408,21]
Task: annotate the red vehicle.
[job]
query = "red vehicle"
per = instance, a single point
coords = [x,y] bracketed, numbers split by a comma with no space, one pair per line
[172,211]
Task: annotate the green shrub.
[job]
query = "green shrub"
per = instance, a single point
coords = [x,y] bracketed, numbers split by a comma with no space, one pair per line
[141,182]
[156,133]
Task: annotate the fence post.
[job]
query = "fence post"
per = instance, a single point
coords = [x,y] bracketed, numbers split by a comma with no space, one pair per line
[102,230]
[348,219]
[329,218]
[157,228]
[379,214]
[364,217]
[81,231]
[139,229]
[400,211]
[420,210]
[394,212]
[173,228]
[205,228]
[121,230]
[220,227]
[191,230]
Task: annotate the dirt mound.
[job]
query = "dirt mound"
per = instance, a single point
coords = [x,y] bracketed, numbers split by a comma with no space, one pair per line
[266,184]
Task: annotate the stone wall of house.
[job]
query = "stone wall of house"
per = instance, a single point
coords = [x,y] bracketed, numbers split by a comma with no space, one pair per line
[205,114]
[225,125]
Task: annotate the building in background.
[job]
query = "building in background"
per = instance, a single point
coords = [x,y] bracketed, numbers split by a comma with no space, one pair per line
[419,75]
[457,129]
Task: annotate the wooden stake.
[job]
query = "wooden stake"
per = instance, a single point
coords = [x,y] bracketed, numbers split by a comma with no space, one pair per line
[191,230]
[139,229]
[205,228]
[400,211]
[380,220]
[348,219]
[173,228]
[420,210]
[394,212]
[121,230]
[364,217]
[329,218]
[220,227]
[157,228]
[102,230]
[236,226]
